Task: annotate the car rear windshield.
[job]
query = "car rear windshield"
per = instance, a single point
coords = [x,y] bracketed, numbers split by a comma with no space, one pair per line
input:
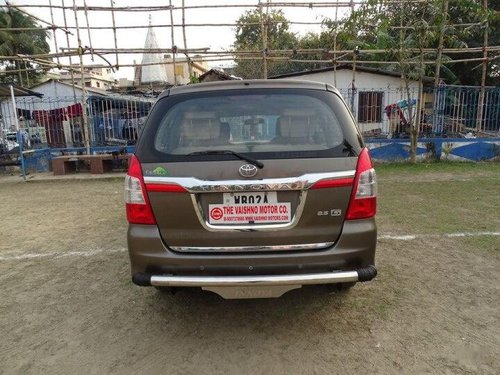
[267,124]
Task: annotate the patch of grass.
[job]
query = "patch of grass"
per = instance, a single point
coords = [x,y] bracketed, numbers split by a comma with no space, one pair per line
[442,197]
[436,167]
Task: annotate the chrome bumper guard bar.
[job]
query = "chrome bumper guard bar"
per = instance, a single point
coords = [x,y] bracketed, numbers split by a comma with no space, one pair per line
[363,274]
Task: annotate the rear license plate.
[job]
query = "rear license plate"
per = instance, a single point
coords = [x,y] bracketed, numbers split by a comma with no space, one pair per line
[249,208]
[250,198]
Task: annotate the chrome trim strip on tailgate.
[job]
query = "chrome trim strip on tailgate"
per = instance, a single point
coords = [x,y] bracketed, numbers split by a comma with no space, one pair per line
[228,249]
[195,185]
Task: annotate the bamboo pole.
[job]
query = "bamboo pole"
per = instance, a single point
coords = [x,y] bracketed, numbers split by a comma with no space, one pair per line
[148,8]
[88,30]
[480,110]
[70,59]
[173,47]
[114,31]
[335,47]
[440,44]
[53,28]
[66,52]
[213,25]
[190,68]
[231,58]
[85,124]
[263,32]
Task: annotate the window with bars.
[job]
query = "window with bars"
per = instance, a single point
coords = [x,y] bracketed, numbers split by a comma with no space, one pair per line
[370,106]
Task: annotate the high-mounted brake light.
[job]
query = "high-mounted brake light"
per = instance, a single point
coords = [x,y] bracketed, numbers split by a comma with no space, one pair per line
[136,200]
[363,203]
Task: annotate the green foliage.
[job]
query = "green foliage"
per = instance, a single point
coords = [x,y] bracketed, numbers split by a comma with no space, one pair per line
[378,24]
[193,79]
[28,42]
[399,27]
[249,38]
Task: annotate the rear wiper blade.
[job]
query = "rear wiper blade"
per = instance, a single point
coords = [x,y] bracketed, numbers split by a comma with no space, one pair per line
[257,163]
[348,147]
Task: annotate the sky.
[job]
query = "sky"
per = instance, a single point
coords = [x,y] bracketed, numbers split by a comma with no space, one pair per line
[215,38]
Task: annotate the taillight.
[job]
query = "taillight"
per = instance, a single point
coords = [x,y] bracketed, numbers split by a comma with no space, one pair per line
[136,200]
[165,188]
[363,203]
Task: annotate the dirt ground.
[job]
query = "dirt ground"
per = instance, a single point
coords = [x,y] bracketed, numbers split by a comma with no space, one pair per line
[67,304]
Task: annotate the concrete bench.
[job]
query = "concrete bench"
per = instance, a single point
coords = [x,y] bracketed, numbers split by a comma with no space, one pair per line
[98,163]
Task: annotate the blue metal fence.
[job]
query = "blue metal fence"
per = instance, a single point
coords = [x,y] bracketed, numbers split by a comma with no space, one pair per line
[446,111]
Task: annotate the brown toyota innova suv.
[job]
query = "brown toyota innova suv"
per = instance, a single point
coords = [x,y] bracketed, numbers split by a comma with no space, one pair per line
[250,189]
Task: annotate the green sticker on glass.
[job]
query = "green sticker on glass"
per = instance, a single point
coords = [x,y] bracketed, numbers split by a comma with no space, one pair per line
[160,171]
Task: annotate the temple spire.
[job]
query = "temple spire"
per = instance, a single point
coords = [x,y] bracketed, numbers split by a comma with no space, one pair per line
[152,73]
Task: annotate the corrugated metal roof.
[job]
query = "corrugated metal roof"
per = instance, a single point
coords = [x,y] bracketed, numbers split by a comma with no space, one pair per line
[18,91]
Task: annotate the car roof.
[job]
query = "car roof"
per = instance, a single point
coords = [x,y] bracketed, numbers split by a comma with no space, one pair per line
[253,83]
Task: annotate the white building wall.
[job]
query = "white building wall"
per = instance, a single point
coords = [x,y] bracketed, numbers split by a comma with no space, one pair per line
[364,81]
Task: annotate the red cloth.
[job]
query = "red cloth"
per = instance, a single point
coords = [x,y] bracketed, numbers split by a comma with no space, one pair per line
[74,110]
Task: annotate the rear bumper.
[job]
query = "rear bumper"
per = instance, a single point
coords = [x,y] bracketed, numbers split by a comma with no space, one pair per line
[354,250]
[365,274]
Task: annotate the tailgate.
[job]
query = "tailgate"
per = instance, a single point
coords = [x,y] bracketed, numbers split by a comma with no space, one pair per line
[280,209]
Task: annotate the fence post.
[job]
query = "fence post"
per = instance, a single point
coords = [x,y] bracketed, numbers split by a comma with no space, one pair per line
[19,137]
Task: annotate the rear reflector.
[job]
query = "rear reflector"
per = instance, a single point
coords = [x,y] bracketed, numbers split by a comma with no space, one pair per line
[165,188]
[325,184]
[363,203]
[136,200]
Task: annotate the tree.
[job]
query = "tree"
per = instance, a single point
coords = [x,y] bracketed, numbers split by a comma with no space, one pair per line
[12,43]
[406,30]
[250,37]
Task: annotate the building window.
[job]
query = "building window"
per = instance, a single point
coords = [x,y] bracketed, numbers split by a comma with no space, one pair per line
[98,84]
[179,70]
[370,106]
[88,84]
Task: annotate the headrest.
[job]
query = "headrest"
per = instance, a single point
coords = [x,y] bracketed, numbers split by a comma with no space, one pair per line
[294,127]
[198,126]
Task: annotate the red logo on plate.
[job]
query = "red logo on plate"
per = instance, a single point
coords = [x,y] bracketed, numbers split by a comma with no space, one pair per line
[216,213]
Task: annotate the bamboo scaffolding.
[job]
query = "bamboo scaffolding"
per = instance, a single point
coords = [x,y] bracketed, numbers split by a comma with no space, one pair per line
[17,7]
[239,54]
[259,58]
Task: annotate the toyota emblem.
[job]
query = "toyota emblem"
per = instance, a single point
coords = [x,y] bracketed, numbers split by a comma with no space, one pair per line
[248,170]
